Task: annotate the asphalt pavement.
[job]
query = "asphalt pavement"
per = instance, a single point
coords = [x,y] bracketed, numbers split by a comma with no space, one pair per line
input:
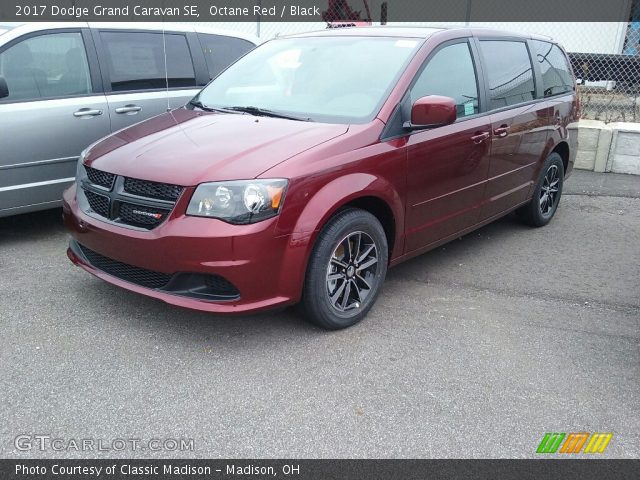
[475,349]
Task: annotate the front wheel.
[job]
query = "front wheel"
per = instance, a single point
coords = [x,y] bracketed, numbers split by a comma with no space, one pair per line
[546,195]
[346,270]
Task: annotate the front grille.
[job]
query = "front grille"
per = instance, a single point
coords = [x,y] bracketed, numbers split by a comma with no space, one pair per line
[128,201]
[99,177]
[98,203]
[206,287]
[141,216]
[221,286]
[144,188]
[123,271]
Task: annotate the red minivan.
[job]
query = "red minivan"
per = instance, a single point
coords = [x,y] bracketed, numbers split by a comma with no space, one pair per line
[316,161]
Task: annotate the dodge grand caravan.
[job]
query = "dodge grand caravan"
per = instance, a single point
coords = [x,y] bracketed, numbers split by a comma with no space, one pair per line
[317,161]
[65,85]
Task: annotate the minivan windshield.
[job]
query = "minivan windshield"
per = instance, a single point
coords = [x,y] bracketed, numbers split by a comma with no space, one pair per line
[341,79]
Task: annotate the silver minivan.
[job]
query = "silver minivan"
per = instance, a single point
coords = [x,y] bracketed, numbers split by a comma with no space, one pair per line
[65,85]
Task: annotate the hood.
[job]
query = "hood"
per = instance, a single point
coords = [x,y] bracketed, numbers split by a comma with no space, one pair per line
[188,147]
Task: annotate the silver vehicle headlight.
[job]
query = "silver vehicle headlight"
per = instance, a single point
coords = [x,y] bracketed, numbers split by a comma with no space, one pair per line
[239,201]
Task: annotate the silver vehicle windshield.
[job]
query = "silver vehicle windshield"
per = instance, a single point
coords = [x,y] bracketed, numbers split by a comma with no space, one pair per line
[339,79]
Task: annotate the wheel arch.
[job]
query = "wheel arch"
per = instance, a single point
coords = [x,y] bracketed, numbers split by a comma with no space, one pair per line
[359,190]
[379,209]
[562,149]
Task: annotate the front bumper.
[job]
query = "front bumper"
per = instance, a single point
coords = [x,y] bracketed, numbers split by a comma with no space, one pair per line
[266,269]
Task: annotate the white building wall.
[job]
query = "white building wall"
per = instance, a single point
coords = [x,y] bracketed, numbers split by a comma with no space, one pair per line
[588,37]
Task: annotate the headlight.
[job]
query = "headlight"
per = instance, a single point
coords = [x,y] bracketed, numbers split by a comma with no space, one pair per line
[240,201]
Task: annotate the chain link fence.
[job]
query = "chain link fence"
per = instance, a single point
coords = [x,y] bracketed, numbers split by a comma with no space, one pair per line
[608,86]
[605,56]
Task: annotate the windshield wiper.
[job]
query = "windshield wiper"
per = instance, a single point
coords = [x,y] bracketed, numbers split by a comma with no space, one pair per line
[206,108]
[267,113]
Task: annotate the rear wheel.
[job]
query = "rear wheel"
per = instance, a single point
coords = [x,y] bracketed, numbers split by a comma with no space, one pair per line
[346,270]
[547,193]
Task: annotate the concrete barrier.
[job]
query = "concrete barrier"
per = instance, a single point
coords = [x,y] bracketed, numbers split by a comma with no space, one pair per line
[608,147]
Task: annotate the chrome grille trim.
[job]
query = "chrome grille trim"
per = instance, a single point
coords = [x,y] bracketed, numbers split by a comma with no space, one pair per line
[127,201]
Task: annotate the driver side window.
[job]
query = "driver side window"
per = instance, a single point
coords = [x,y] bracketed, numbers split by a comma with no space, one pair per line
[450,73]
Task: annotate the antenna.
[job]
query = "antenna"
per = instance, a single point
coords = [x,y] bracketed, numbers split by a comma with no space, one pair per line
[166,71]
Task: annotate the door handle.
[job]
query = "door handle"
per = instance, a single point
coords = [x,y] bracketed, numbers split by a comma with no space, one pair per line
[502,131]
[129,109]
[478,138]
[87,112]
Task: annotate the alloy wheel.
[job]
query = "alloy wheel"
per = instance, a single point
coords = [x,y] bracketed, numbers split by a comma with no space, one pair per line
[549,190]
[351,273]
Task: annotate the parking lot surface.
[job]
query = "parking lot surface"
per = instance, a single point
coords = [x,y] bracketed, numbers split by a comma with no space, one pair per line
[475,349]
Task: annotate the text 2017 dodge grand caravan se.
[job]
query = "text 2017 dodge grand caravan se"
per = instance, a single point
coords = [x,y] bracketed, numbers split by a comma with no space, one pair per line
[316,161]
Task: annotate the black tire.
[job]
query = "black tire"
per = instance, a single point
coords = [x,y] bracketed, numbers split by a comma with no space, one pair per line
[340,260]
[538,212]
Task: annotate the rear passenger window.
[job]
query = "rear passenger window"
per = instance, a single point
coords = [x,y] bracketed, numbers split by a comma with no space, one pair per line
[556,74]
[136,60]
[221,51]
[450,72]
[510,73]
[46,66]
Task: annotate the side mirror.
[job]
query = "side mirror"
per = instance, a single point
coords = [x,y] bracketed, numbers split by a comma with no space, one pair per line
[432,111]
[4,89]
